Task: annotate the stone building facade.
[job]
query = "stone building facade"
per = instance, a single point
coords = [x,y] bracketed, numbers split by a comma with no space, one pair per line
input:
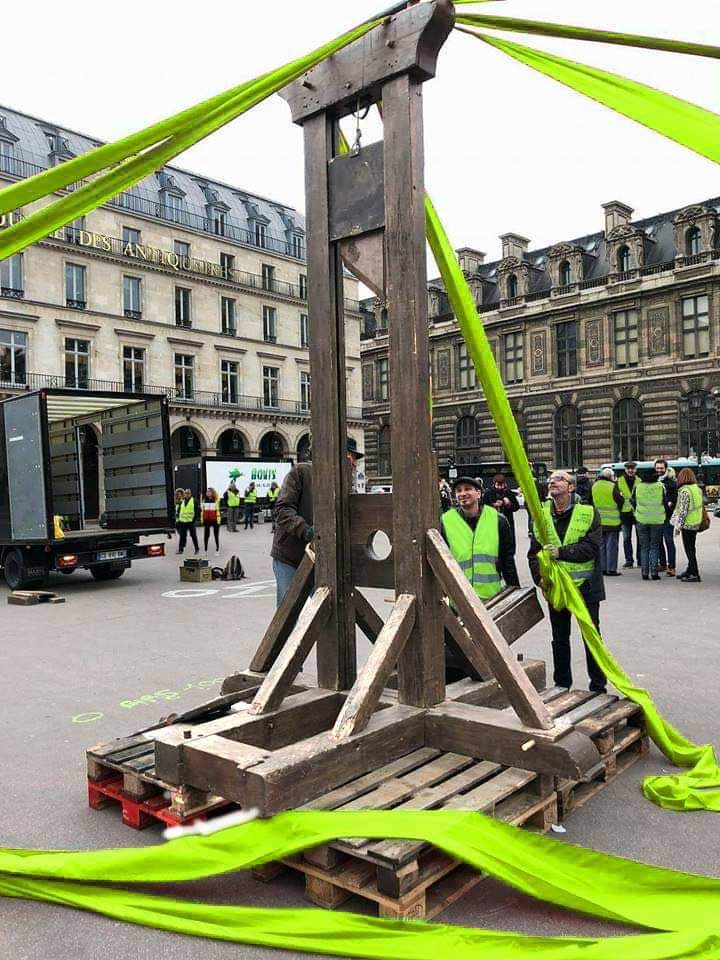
[183,286]
[609,346]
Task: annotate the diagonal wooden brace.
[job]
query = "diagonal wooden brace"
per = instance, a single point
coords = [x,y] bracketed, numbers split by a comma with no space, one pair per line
[508,672]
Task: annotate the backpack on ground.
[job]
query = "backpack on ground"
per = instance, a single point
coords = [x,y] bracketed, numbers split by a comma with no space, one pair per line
[233,570]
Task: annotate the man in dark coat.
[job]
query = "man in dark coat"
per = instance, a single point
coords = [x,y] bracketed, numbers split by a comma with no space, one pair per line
[500,496]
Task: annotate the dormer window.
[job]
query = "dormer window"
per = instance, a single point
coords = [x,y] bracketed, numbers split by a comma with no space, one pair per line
[693,242]
[8,163]
[174,206]
[260,234]
[512,286]
[218,222]
[623,260]
[297,246]
[565,274]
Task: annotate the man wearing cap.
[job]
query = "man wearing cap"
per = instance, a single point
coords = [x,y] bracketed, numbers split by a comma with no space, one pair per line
[608,501]
[480,539]
[574,537]
[626,485]
[294,520]
[500,496]
[583,486]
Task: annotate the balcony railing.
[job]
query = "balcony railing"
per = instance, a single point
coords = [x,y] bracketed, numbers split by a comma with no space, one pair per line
[693,259]
[12,292]
[76,304]
[563,290]
[590,284]
[195,398]
[657,268]
[133,314]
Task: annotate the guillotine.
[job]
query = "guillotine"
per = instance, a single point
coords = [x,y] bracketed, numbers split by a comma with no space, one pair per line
[270,741]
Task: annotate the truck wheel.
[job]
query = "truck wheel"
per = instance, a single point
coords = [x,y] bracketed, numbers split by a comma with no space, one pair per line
[15,571]
[106,572]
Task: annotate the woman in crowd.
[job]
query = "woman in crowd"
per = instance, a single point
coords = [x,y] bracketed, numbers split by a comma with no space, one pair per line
[211,517]
[686,520]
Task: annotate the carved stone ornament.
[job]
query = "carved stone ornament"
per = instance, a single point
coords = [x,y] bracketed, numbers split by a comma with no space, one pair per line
[695,216]
[443,369]
[565,251]
[625,235]
[593,343]
[512,265]
[538,353]
[658,323]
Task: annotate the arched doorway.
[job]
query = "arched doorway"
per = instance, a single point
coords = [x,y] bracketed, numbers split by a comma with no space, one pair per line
[272,446]
[186,443]
[231,444]
[303,448]
[90,458]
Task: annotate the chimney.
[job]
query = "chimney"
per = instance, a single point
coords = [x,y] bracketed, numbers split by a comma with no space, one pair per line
[616,215]
[513,245]
[470,259]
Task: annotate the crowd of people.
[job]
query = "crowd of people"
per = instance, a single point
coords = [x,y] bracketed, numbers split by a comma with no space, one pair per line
[211,513]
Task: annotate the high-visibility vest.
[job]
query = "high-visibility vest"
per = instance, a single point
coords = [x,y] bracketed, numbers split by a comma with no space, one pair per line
[650,508]
[695,513]
[602,497]
[233,499]
[272,495]
[581,520]
[251,495]
[186,513]
[477,551]
[624,488]
[211,511]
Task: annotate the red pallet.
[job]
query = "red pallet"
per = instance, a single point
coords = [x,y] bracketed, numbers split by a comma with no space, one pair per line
[142,813]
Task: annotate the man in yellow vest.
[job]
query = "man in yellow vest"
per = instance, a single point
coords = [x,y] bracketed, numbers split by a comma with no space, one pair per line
[574,539]
[186,521]
[250,502]
[626,485]
[232,499]
[480,539]
[272,495]
[649,504]
[608,501]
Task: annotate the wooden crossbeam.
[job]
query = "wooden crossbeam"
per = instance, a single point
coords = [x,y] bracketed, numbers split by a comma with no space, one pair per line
[510,675]
[465,645]
[366,616]
[291,658]
[365,694]
[284,618]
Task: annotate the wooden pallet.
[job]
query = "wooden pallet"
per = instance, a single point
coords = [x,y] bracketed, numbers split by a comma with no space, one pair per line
[160,808]
[411,879]
[29,598]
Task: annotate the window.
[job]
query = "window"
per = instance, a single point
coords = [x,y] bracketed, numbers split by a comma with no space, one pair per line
[692,242]
[568,437]
[227,314]
[260,234]
[134,369]
[566,341]
[382,378]
[302,284]
[623,260]
[13,356]
[218,222]
[698,424]
[626,339]
[75,291]
[8,163]
[512,286]
[174,207]
[304,330]
[382,323]
[384,452]
[131,235]
[182,307]
[271,378]
[184,376]
[304,390]
[628,430]
[565,274]
[269,324]
[466,379]
[513,357]
[77,363]
[181,249]
[227,265]
[368,381]
[230,381]
[132,297]
[467,433]
[297,246]
[268,277]
[11,276]
[72,230]
[695,327]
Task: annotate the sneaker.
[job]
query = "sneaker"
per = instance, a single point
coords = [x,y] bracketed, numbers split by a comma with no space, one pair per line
[692,578]
[598,688]
[670,572]
[655,576]
[627,565]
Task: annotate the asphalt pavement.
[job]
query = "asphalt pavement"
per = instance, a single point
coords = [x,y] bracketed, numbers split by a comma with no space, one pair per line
[117,656]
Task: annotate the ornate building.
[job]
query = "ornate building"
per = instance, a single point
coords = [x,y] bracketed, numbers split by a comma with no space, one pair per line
[182,285]
[609,346]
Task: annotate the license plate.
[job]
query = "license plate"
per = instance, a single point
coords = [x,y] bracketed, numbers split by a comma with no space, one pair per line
[112,555]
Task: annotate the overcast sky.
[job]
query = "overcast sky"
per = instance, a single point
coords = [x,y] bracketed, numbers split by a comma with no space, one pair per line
[506,149]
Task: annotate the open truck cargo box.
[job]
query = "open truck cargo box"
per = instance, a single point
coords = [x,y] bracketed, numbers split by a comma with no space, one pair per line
[41,469]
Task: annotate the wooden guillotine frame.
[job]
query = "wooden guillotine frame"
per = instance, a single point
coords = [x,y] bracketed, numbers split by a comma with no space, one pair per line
[283,743]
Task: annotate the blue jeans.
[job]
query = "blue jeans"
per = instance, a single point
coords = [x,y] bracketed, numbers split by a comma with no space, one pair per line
[609,549]
[649,536]
[627,529]
[666,550]
[283,573]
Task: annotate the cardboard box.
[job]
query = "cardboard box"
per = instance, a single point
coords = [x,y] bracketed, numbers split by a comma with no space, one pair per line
[195,574]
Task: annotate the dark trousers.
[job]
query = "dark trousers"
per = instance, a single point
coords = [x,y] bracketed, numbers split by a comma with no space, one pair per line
[666,548]
[249,515]
[184,529]
[627,530]
[215,527]
[688,538]
[649,538]
[609,549]
[561,621]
